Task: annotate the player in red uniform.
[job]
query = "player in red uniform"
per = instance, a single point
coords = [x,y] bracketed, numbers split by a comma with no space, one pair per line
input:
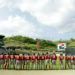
[21,61]
[33,61]
[53,59]
[1,61]
[38,61]
[61,59]
[27,61]
[42,61]
[6,61]
[24,59]
[47,61]
[12,62]
[17,62]
[49,58]
[67,61]
[72,62]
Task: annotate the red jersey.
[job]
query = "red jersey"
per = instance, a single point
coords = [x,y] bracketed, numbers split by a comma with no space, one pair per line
[26,57]
[6,56]
[74,57]
[38,57]
[42,57]
[1,56]
[11,56]
[17,57]
[61,57]
[54,57]
[67,58]
[21,57]
[47,57]
[33,57]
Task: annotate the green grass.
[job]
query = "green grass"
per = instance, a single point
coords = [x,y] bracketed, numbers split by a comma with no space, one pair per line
[40,66]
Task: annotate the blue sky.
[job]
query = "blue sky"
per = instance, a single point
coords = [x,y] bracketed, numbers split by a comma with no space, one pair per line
[45,19]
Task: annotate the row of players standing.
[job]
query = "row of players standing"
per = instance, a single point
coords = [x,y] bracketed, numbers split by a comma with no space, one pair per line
[36,61]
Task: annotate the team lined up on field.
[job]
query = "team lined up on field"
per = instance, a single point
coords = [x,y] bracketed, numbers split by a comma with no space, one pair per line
[46,61]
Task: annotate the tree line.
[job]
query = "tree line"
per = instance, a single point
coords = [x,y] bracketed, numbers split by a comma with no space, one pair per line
[29,43]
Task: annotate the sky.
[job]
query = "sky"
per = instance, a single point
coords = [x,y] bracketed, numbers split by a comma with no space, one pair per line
[45,19]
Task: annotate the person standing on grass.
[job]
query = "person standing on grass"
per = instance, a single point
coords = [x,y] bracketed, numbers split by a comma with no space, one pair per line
[67,62]
[12,62]
[1,61]
[72,62]
[25,61]
[21,61]
[61,60]
[6,61]
[27,57]
[47,61]
[42,61]
[49,58]
[17,62]
[53,59]
[38,61]
[33,61]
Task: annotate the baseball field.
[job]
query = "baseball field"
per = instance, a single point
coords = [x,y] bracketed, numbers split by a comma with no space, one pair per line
[50,72]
